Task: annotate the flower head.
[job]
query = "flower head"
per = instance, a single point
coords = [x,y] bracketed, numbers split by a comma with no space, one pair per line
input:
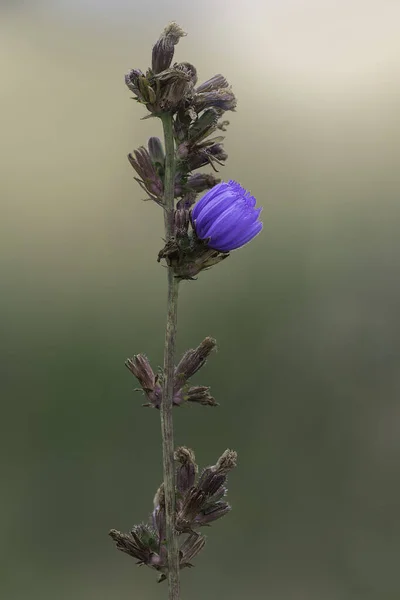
[226,217]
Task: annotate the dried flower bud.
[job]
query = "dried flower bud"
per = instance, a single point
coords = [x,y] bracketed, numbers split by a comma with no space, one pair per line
[187,201]
[150,180]
[203,503]
[141,369]
[163,50]
[176,86]
[201,395]
[182,220]
[186,469]
[187,262]
[215,83]
[217,153]
[140,366]
[223,99]
[198,182]
[192,361]
[193,544]
[201,181]
[188,68]
[203,126]
[211,482]
[141,543]
[208,515]
[197,505]
[183,119]
[212,478]
[227,461]
[205,156]
[191,506]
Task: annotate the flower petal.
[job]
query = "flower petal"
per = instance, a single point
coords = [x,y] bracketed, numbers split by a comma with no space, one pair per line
[227,247]
[239,229]
[216,207]
[202,203]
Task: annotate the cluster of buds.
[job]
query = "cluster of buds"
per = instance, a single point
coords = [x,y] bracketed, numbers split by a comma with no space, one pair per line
[196,112]
[191,362]
[163,88]
[199,503]
[171,88]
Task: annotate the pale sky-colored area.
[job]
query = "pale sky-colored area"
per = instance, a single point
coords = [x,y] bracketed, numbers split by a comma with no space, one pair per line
[321,39]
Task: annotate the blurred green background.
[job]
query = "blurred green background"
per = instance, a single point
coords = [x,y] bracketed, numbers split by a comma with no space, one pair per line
[306,317]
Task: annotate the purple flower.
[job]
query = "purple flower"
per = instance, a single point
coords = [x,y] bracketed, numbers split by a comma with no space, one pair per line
[226,217]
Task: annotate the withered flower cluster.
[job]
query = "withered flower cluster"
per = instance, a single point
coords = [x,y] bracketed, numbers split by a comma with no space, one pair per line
[191,362]
[199,503]
[197,116]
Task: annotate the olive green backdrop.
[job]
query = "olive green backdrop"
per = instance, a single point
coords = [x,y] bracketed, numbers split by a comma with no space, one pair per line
[306,316]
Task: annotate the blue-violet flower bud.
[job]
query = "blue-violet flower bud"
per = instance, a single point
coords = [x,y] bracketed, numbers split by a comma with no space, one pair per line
[226,217]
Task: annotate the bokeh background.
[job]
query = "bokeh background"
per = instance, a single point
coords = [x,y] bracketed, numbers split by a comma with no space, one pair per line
[306,317]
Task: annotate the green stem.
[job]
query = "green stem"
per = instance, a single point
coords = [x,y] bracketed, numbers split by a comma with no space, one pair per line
[167,429]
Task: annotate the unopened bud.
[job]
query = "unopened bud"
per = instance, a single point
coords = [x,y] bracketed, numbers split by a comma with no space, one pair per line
[132,80]
[156,151]
[182,220]
[146,90]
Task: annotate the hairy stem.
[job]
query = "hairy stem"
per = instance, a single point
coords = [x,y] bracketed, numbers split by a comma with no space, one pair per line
[167,429]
